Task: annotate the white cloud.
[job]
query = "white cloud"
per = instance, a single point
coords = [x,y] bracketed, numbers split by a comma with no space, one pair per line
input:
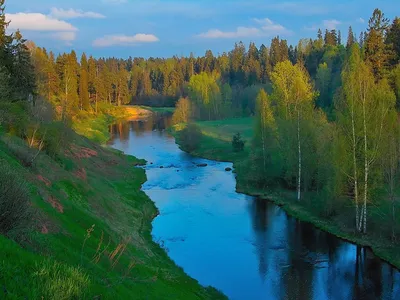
[270,28]
[60,13]
[239,33]
[114,1]
[37,22]
[125,40]
[331,24]
[311,28]
[361,20]
[266,28]
[66,36]
[54,28]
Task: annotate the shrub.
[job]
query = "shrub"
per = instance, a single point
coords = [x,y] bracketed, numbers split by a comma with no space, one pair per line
[14,117]
[237,143]
[182,112]
[190,137]
[21,152]
[14,200]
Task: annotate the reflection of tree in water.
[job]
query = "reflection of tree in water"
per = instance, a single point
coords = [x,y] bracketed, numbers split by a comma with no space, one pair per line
[298,274]
[259,213]
[120,130]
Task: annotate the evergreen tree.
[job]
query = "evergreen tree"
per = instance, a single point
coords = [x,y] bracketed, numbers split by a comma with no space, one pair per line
[393,40]
[376,51]
[84,84]
[350,38]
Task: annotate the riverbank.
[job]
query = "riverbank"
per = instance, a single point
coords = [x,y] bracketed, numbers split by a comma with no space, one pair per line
[94,126]
[216,145]
[89,235]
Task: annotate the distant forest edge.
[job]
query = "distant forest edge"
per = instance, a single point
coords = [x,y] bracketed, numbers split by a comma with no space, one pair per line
[232,78]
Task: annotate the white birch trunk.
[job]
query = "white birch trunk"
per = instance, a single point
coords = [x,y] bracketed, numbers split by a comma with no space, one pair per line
[355,166]
[299,149]
[366,169]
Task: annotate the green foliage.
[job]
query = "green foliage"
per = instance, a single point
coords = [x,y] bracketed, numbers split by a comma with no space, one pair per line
[14,117]
[14,200]
[183,111]
[206,94]
[190,137]
[237,143]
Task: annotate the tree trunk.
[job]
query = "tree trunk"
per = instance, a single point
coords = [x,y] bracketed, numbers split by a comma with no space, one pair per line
[299,150]
[366,170]
[263,142]
[355,166]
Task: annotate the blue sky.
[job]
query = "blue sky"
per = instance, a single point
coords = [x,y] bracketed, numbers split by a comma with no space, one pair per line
[162,28]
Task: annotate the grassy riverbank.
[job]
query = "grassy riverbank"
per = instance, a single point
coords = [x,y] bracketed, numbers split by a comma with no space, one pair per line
[95,125]
[158,109]
[89,230]
[216,144]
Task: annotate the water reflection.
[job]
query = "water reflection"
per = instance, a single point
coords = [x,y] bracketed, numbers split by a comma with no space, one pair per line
[244,246]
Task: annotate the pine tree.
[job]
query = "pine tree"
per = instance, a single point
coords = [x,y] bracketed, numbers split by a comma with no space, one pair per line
[350,38]
[393,40]
[376,51]
[84,84]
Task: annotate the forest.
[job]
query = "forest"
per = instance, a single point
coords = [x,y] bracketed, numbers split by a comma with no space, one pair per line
[325,109]
[324,113]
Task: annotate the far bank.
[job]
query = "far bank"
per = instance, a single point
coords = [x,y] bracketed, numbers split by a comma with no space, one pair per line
[216,144]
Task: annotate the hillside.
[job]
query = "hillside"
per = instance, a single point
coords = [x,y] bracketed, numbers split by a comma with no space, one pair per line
[89,229]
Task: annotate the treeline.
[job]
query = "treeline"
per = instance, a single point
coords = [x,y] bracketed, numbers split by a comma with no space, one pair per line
[17,77]
[231,79]
[327,126]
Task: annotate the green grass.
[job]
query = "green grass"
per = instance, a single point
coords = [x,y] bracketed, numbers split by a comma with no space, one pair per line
[99,243]
[158,109]
[216,145]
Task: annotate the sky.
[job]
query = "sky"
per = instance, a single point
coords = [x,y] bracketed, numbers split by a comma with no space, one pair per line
[163,28]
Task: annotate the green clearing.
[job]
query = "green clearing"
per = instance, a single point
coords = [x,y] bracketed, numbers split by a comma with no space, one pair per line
[216,144]
[90,236]
[159,109]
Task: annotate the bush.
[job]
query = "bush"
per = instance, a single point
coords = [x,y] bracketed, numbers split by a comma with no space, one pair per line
[21,152]
[14,117]
[190,137]
[182,112]
[237,143]
[14,200]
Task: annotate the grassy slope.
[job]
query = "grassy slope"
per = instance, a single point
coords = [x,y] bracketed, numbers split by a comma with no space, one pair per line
[216,145]
[91,233]
[158,109]
[95,127]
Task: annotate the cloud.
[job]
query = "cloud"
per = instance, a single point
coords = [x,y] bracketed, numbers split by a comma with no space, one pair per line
[37,22]
[60,13]
[54,28]
[266,28]
[125,40]
[270,28]
[361,20]
[114,1]
[239,33]
[331,24]
[296,8]
[312,28]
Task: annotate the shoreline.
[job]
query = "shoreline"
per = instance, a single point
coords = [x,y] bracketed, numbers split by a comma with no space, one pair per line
[384,252]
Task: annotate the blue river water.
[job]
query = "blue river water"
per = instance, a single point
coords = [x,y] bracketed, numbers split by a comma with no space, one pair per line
[246,247]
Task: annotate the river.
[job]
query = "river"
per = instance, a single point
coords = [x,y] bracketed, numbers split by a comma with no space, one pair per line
[246,247]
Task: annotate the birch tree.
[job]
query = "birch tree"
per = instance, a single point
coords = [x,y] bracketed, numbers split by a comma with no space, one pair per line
[265,129]
[362,120]
[294,96]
